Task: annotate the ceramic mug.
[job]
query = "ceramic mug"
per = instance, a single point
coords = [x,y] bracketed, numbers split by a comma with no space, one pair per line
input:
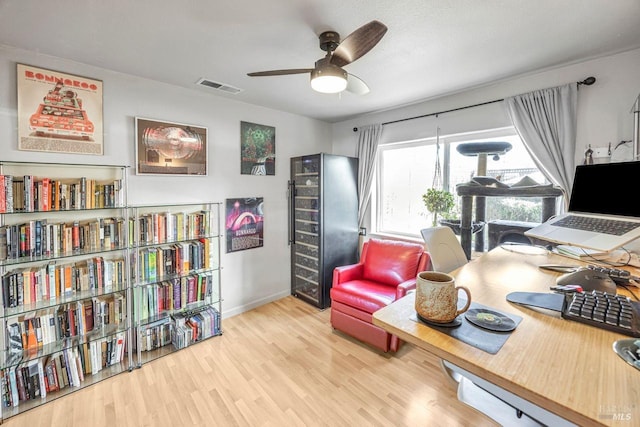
[437,297]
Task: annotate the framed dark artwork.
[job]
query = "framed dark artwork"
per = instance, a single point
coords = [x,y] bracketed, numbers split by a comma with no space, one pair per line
[244,222]
[167,148]
[257,149]
[59,112]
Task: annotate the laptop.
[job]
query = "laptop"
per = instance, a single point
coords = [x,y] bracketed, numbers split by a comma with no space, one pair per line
[603,214]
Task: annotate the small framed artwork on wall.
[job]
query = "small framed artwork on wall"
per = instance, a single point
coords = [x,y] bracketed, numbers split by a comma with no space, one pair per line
[59,112]
[167,148]
[258,149]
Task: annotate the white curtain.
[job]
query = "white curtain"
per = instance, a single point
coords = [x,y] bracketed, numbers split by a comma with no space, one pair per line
[546,122]
[366,152]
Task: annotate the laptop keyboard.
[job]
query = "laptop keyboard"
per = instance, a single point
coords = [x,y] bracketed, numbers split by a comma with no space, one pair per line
[599,225]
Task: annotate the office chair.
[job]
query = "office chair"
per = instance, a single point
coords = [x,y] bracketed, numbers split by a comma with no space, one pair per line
[445,249]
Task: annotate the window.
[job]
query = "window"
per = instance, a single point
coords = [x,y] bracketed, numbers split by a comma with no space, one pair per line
[406,170]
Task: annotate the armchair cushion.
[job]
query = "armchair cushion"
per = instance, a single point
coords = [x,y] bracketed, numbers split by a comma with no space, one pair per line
[386,271]
[391,262]
[367,295]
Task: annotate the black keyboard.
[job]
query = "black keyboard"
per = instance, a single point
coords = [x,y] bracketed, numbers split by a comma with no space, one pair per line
[615,313]
[600,225]
[621,277]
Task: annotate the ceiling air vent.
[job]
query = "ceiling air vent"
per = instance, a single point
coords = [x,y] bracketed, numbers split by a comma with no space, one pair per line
[218,86]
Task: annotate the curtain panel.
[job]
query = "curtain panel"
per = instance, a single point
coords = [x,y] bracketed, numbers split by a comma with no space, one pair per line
[546,122]
[366,152]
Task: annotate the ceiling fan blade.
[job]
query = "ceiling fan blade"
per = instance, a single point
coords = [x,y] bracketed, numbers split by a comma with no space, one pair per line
[280,72]
[358,43]
[356,85]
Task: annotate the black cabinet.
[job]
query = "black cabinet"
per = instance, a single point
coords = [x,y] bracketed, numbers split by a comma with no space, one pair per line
[323,222]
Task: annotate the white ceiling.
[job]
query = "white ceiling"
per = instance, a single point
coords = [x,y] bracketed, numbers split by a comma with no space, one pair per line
[432,47]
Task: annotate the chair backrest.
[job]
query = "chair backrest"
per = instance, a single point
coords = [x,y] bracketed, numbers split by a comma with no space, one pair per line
[445,249]
[390,261]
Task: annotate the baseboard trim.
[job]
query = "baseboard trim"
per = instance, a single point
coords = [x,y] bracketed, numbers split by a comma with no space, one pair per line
[226,313]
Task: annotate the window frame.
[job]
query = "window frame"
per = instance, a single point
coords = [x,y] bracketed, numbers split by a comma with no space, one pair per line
[445,145]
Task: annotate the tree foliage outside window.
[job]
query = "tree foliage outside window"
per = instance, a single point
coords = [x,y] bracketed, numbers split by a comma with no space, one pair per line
[515,209]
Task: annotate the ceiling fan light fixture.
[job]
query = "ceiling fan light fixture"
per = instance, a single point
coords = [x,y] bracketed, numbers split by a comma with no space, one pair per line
[328,79]
[328,76]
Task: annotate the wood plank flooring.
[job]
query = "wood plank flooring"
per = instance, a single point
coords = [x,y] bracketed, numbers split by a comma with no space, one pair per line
[277,365]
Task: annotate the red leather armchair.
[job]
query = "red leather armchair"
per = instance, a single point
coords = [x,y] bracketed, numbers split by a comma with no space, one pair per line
[386,271]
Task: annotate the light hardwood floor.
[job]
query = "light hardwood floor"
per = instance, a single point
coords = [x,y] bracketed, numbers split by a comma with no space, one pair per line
[278,365]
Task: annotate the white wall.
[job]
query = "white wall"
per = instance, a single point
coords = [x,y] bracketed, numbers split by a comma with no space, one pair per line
[603,108]
[249,278]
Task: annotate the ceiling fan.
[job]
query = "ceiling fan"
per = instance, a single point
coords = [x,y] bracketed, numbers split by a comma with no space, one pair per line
[328,76]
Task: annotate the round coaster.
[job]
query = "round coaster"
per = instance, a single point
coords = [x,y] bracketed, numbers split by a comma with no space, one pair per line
[453,324]
[489,319]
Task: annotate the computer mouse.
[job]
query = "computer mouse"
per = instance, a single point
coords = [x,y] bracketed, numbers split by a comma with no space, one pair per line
[589,280]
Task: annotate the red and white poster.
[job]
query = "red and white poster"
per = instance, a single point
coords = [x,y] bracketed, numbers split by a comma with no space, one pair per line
[59,112]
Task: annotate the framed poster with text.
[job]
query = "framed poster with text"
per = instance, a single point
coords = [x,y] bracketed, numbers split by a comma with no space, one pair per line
[59,112]
[244,221]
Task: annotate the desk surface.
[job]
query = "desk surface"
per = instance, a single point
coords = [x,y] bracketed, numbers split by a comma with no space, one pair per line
[566,367]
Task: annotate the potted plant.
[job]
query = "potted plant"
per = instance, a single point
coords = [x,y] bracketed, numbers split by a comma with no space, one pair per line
[438,202]
[441,203]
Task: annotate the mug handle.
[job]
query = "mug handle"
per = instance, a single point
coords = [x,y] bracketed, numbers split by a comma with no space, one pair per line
[466,307]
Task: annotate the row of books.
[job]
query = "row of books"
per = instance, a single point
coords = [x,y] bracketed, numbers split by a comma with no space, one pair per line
[171,295]
[34,194]
[35,379]
[32,332]
[158,262]
[156,335]
[168,227]
[61,281]
[189,328]
[40,238]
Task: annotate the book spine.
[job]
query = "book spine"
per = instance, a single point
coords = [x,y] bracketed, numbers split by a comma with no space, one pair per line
[31,239]
[83,193]
[3,195]
[45,197]
[4,242]
[20,380]
[75,236]
[59,371]
[8,188]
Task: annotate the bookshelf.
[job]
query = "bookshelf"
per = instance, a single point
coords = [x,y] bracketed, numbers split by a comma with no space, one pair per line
[64,263]
[93,287]
[175,275]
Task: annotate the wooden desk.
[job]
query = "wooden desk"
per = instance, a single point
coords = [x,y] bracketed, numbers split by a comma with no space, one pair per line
[565,367]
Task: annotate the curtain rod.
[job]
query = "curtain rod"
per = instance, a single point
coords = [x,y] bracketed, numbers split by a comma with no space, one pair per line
[588,82]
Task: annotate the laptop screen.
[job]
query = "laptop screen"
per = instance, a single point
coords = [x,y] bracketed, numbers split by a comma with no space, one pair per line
[606,188]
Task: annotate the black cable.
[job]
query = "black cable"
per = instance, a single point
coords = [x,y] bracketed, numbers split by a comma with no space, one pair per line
[504,244]
[609,263]
[635,296]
